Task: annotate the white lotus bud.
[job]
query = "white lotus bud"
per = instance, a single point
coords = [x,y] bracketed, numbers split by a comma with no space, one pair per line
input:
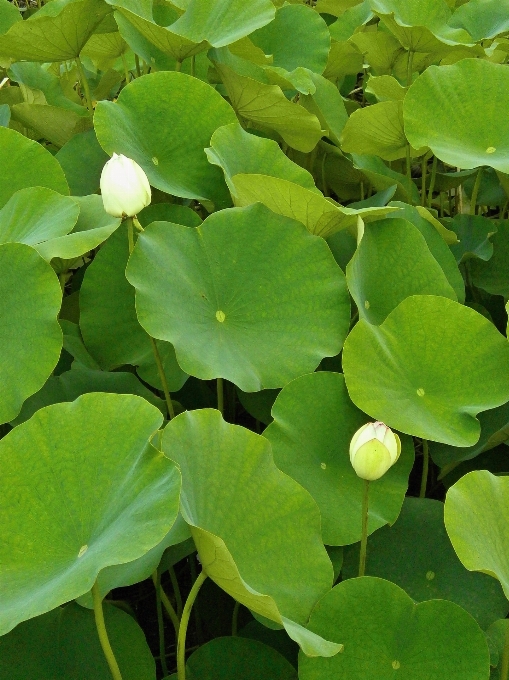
[125,187]
[373,450]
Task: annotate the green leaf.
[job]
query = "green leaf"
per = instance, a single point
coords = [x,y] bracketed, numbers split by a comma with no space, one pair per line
[416,554]
[377,130]
[314,421]
[94,226]
[493,275]
[78,495]
[298,36]
[267,107]
[386,88]
[223,23]
[108,320]
[429,369]
[20,153]
[53,123]
[82,160]
[473,233]
[9,15]
[380,50]
[458,112]
[57,32]
[249,296]
[391,263]
[482,18]
[321,216]
[73,343]
[37,214]
[30,336]
[163,121]
[236,151]
[496,635]
[344,59]
[437,238]
[63,645]
[387,636]
[153,22]
[327,105]
[420,25]
[350,20]
[382,177]
[238,657]
[38,77]
[476,518]
[258,404]
[282,570]
[169,212]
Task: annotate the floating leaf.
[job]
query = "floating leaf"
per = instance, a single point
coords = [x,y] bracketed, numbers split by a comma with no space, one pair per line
[20,153]
[223,23]
[249,296]
[57,32]
[314,421]
[37,214]
[386,636]
[164,121]
[81,489]
[258,538]
[238,657]
[429,369]
[298,36]
[64,644]
[416,554]
[458,112]
[476,518]
[391,263]
[321,216]
[30,336]
[236,151]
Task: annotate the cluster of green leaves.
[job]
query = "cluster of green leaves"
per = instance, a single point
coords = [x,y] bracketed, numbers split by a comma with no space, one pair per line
[328,243]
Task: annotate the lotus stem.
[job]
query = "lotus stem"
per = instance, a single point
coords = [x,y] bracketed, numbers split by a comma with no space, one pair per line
[181,643]
[425,468]
[364,538]
[103,634]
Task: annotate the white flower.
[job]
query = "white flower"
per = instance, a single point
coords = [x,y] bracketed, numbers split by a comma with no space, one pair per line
[125,187]
[373,450]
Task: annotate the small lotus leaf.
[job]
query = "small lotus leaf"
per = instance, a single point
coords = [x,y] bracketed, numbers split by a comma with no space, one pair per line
[429,369]
[82,160]
[482,18]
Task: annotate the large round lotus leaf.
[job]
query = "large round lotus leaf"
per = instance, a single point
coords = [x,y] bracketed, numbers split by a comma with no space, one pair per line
[429,369]
[238,657]
[249,296]
[477,521]
[37,214]
[63,645]
[314,421]
[57,32]
[387,636]
[30,335]
[164,121]
[298,36]
[391,263]
[257,531]
[20,153]
[222,23]
[482,18]
[417,555]
[81,489]
[458,111]
[108,321]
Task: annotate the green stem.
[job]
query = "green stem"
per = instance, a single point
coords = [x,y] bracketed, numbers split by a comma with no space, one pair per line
[84,84]
[424,167]
[130,234]
[220,396]
[364,538]
[176,590]
[193,65]
[162,378]
[362,190]
[181,643]
[156,577]
[103,635]
[425,468]
[475,191]
[504,665]
[178,65]
[409,64]
[169,610]
[432,181]
[235,619]
[137,62]
[126,70]
[408,166]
